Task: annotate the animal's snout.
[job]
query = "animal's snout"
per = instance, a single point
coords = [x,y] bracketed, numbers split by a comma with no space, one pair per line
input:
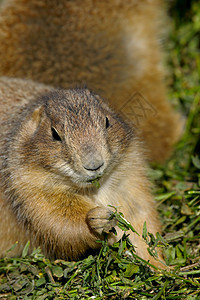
[93,161]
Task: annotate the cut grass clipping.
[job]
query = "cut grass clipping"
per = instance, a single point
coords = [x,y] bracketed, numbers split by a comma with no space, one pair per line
[116,272]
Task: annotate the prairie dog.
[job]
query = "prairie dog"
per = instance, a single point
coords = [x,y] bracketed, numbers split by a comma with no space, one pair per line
[111,46]
[53,144]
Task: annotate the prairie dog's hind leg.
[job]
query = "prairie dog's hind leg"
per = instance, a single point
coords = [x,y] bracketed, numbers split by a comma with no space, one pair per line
[11,232]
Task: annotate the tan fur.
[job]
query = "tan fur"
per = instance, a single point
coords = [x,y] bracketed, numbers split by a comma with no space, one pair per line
[111,46]
[46,195]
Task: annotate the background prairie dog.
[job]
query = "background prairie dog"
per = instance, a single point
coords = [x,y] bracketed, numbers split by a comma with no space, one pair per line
[53,143]
[111,46]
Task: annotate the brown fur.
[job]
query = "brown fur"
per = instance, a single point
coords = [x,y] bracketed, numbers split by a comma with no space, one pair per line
[112,46]
[52,144]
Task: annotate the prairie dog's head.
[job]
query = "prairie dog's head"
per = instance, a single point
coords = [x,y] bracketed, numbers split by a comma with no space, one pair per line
[75,135]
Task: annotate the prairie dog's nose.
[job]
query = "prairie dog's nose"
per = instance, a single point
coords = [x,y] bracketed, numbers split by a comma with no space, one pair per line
[93,163]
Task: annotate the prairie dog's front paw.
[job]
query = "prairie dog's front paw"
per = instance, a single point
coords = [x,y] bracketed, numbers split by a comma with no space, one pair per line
[99,220]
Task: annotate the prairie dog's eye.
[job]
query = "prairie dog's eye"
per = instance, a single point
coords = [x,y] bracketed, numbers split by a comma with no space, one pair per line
[107,122]
[55,134]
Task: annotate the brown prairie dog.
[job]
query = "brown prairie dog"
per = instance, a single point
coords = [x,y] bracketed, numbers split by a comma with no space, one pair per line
[53,144]
[111,46]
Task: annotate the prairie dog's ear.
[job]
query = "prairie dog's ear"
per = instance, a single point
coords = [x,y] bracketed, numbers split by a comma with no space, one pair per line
[33,120]
[37,116]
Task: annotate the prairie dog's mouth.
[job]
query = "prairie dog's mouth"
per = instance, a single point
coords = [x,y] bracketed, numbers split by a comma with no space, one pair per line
[90,183]
[95,182]
[97,178]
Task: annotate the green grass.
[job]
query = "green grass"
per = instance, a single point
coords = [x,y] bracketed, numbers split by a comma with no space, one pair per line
[114,273]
